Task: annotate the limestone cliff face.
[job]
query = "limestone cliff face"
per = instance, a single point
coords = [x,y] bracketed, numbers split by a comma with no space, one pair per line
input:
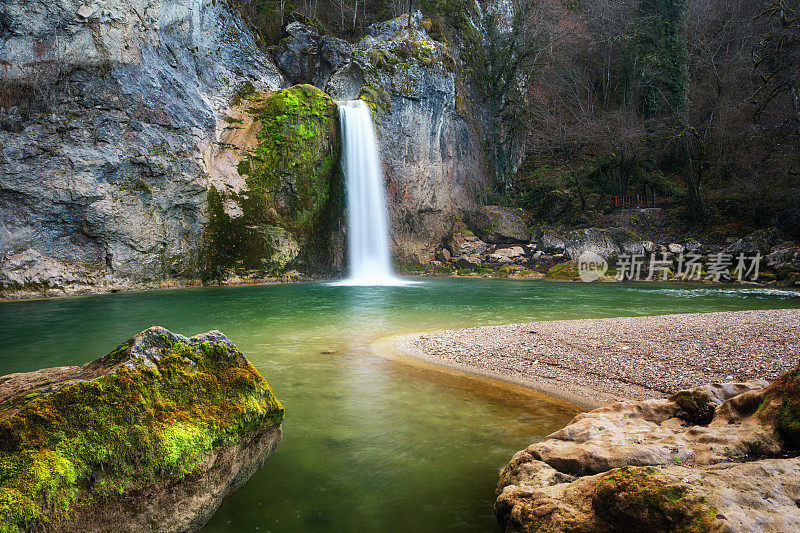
[431,149]
[131,134]
[429,137]
[107,140]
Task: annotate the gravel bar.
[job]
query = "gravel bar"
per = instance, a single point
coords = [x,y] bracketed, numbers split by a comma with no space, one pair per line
[592,362]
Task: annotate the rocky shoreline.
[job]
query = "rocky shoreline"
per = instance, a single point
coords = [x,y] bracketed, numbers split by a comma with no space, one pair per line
[496,241]
[721,457]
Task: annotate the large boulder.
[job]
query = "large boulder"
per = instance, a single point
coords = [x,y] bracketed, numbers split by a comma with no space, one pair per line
[499,225]
[307,57]
[595,240]
[296,54]
[346,83]
[713,458]
[785,257]
[463,242]
[760,241]
[551,242]
[333,54]
[629,242]
[150,437]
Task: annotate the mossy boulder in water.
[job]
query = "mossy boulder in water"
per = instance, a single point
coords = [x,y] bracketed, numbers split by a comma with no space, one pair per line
[151,436]
[293,188]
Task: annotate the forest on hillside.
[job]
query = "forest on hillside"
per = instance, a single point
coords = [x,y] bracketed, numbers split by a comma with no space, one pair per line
[693,104]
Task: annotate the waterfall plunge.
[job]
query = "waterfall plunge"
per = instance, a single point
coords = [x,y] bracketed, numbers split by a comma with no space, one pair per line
[367,222]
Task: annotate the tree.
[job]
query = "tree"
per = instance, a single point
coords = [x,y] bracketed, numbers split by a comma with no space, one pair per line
[777,57]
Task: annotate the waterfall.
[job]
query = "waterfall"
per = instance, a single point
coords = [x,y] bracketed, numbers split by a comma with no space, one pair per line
[367,222]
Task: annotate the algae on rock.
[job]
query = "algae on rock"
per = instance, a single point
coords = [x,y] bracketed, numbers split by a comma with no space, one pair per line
[175,421]
[289,214]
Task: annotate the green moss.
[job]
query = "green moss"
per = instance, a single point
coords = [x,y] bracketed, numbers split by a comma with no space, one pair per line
[501,272]
[563,271]
[136,425]
[782,403]
[696,407]
[298,144]
[293,183]
[242,91]
[632,497]
[376,98]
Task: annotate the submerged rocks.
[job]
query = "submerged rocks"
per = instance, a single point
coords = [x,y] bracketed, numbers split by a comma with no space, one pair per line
[711,458]
[151,436]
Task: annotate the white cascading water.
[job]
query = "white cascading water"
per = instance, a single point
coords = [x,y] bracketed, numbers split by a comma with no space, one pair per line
[367,222]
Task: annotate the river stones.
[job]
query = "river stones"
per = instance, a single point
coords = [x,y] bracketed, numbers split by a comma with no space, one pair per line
[665,465]
[149,437]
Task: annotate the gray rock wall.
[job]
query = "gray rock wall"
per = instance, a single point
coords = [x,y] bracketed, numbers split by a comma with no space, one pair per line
[104,170]
[432,152]
[115,121]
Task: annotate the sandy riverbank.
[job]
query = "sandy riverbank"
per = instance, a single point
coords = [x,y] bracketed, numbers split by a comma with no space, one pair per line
[592,362]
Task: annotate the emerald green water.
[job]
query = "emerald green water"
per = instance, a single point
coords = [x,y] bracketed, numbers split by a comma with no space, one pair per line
[370,444]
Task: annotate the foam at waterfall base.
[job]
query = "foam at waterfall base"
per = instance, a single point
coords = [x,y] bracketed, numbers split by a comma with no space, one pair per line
[374,281]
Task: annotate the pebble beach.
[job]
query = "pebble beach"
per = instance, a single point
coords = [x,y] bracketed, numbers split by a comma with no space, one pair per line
[592,362]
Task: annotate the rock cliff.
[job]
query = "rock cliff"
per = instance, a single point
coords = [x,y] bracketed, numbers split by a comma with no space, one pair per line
[105,168]
[150,437]
[429,138]
[141,144]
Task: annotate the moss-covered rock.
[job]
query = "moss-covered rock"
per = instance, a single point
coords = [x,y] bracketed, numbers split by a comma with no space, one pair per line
[155,432]
[780,406]
[499,225]
[738,472]
[630,497]
[294,184]
[696,407]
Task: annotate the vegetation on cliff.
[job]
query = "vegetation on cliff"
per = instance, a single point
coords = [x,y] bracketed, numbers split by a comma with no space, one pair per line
[150,411]
[294,188]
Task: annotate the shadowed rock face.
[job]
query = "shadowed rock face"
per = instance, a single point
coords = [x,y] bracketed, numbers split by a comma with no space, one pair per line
[713,458]
[150,437]
[106,166]
[499,225]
